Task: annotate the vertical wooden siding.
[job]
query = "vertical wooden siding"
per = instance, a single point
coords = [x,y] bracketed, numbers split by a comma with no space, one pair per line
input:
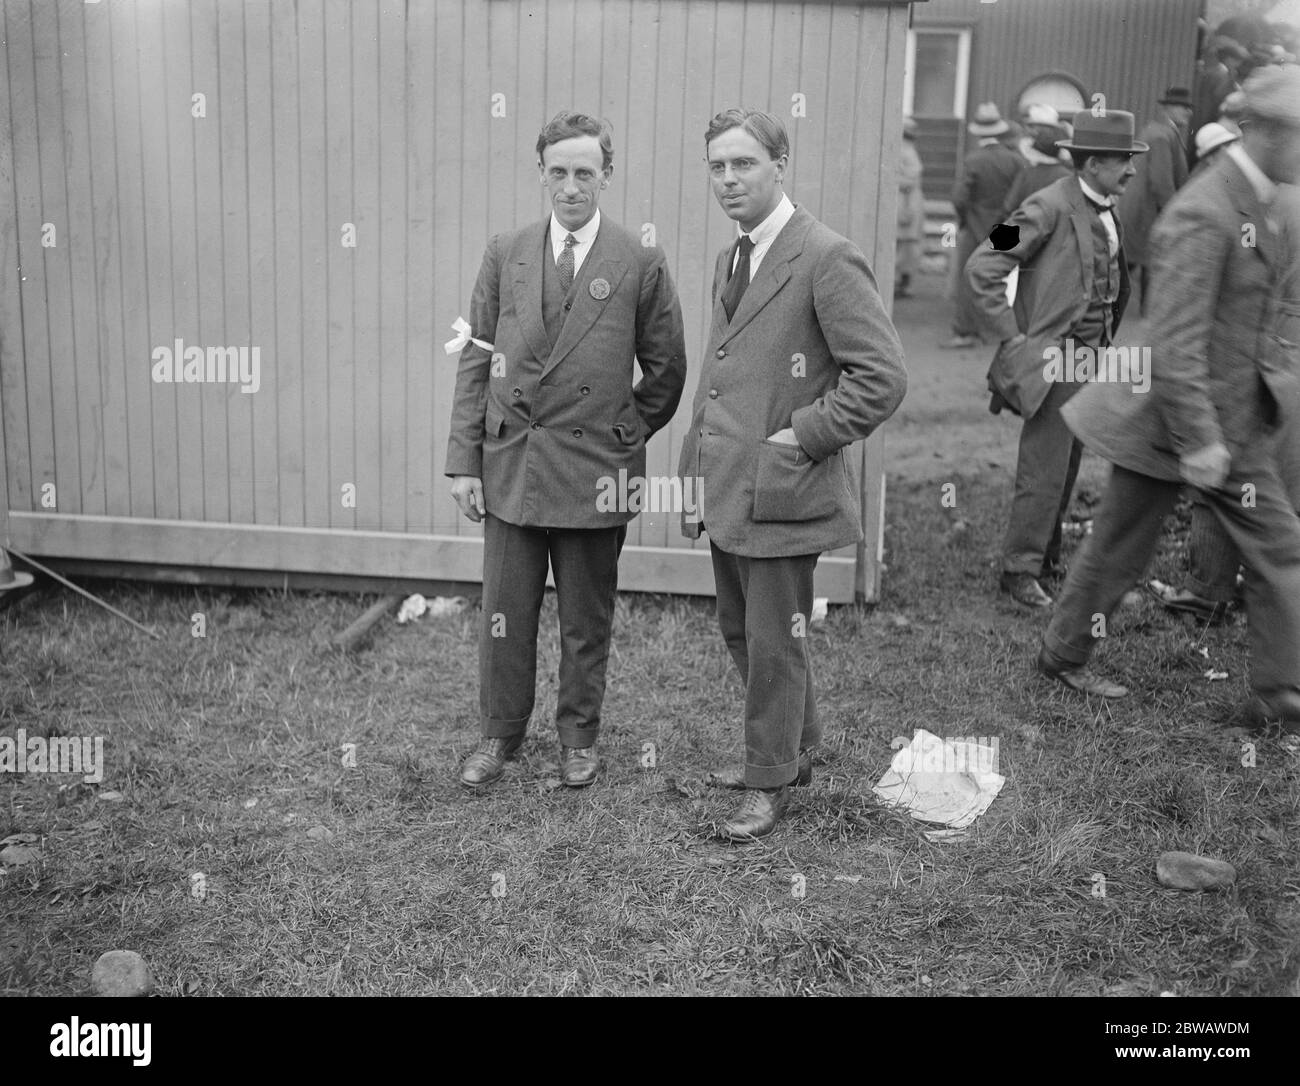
[226,230]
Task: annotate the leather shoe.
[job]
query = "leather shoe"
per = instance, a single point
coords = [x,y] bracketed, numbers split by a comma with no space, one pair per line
[1078,678]
[579,766]
[1181,600]
[487,763]
[1256,716]
[733,776]
[758,814]
[1025,590]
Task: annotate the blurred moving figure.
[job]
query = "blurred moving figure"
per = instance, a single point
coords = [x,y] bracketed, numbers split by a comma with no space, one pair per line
[1222,380]
[1161,173]
[911,212]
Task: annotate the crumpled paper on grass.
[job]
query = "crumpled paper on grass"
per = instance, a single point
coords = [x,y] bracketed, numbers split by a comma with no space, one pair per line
[415,606]
[951,782]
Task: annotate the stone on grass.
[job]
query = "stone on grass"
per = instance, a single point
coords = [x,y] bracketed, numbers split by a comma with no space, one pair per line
[121,973]
[1185,871]
[321,833]
[17,855]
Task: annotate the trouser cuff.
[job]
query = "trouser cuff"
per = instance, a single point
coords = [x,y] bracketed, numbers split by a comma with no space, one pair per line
[497,728]
[1074,655]
[571,736]
[770,776]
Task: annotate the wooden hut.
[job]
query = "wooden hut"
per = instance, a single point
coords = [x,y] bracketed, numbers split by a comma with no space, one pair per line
[237,233]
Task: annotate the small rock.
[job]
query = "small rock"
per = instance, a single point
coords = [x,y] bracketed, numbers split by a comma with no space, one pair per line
[321,833]
[1132,598]
[249,804]
[121,973]
[17,855]
[1184,871]
[111,797]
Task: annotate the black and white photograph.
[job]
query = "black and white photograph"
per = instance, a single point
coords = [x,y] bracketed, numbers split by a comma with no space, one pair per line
[650,498]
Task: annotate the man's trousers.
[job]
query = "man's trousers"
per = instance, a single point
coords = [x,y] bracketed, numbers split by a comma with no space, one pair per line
[1046,469]
[585,564]
[764,612]
[1124,537]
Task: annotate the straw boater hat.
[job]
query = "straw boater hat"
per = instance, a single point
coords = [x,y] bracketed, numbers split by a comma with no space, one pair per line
[1037,113]
[9,578]
[988,121]
[1110,133]
[1212,135]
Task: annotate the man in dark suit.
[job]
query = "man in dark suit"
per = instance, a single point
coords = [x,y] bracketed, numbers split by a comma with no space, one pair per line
[1222,380]
[979,196]
[1160,173]
[802,361]
[543,422]
[1071,294]
[1042,156]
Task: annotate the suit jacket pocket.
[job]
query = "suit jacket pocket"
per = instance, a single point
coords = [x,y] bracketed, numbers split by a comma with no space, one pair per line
[790,486]
[494,422]
[629,433]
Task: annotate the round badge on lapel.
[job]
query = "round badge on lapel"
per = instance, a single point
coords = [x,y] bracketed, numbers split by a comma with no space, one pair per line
[599,289]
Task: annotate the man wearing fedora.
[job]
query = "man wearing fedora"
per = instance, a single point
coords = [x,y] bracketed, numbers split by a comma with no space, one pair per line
[545,415]
[1222,380]
[1066,241]
[802,361]
[1160,173]
[978,197]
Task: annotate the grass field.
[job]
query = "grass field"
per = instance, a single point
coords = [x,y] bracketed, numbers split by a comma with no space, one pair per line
[389,878]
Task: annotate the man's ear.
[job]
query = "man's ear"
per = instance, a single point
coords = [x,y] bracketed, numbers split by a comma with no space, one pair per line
[606,174]
[781,164]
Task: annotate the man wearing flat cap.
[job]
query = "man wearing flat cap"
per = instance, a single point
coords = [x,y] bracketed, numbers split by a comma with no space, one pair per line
[1160,173]
[1066,241]
[1222,380]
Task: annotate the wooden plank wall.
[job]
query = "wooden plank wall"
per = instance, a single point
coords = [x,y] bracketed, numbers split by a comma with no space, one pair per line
[412,122]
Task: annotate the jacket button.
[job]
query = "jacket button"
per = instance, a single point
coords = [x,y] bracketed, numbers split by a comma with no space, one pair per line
[577,431]
[585,390]
[713,394]
[722,353]
[568,306]
[535,425]
[518,392]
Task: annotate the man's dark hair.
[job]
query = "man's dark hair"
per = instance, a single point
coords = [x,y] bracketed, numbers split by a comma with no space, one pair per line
[1080,157]
[763,126]
[567,125]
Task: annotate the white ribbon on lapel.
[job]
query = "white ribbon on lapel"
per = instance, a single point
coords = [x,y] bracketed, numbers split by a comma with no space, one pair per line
[462,329]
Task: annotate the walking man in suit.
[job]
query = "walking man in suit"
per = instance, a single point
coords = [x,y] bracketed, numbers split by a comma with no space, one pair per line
[1073,287]
[1222,380]
[979,196]
[802,361]
[1160,173]
[540,426]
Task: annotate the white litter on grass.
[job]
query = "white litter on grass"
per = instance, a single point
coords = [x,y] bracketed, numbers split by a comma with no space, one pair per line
[819,609]
[948,781]
[1215,676]
[415,606]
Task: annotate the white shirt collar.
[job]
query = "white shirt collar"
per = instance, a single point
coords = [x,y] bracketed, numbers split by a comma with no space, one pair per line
[583,235]
[768,229]
[1095,196]
[1264,188]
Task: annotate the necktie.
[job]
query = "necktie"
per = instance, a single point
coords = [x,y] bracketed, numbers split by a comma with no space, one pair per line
[565,264]
[735,288]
